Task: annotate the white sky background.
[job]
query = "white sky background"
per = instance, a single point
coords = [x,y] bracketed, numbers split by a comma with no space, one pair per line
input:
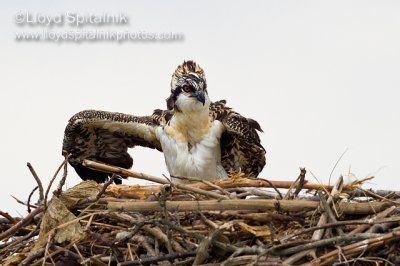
[319,77]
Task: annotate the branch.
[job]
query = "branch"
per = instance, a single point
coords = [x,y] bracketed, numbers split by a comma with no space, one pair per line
[223,183]
[337,240]
[248,204]
[124,172]
[21,223]
[38,181]
[354,249]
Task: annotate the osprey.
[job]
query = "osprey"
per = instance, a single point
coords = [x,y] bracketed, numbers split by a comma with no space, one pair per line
[199,138]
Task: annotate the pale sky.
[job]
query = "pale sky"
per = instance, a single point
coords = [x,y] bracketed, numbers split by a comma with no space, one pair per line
[319,76]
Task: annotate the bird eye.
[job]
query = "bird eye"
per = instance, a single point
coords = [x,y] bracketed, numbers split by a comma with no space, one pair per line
[186,88]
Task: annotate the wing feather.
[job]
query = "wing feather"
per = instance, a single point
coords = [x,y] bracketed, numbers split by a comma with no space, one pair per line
[241,148]
[106,137]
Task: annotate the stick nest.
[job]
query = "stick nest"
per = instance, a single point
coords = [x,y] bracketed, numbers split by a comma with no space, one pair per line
[236,221]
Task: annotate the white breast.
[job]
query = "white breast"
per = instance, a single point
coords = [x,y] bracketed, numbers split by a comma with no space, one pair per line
[200,159]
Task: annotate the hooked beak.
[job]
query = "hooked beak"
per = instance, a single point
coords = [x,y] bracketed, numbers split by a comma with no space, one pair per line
[200,97]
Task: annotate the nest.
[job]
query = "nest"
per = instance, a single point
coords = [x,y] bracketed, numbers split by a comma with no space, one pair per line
[234,221]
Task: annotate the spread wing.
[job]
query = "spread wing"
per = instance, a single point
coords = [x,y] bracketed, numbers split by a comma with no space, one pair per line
[241,149]
[105,137]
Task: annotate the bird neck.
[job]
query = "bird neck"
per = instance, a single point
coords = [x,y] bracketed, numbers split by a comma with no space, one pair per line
[192,125]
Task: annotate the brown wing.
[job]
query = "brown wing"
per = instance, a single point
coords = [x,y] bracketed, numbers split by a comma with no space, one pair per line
[105,137]
[241,147]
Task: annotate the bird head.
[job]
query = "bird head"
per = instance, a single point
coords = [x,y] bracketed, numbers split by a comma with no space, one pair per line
[188,89]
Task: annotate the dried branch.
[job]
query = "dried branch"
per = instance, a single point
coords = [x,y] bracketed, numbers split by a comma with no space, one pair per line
[154,260]
[223,183]
[355,249]
[57,192]
[38,181]
[338,240]
[26,220]
[124,172]
[51,182]
[29,198]
[249,204]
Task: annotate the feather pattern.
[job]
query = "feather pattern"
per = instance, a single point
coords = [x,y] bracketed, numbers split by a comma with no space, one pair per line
[106,136]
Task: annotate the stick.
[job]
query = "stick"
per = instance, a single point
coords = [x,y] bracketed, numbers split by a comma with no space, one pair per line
[57,192]
[21,223]
[8,217]
[156,232]
[318,234]
[380,215]
[354,249]
[343,223]
[223,183]
[374,193]
[337,240]
[38,181]
[124,172]
[154,260]
[205,244]
[29,198]
[249,204]
[51,182]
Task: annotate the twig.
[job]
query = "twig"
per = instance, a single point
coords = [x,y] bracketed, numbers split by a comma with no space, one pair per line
[359,192]
[38,181]
[38,253]
[104,188]
[326,242]
[329,213]
[8,245]
[273,185]
[46,250]
[156,232]
[298,184]
[208,183]
[154,260]
[29,198]
[223,183]
[22,202]
[301,180]
[202,251]
[378,216]
[91,200]
[317,235]
[376,195]
[341,223]
[354,249]
[8,217]
[78,252]
[227,247]
[21,223]
[145,244]
[336,164]
[124,172]
[57,192]
[51,182]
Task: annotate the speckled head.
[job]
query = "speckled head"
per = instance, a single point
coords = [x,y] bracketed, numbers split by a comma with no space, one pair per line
[188,80]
